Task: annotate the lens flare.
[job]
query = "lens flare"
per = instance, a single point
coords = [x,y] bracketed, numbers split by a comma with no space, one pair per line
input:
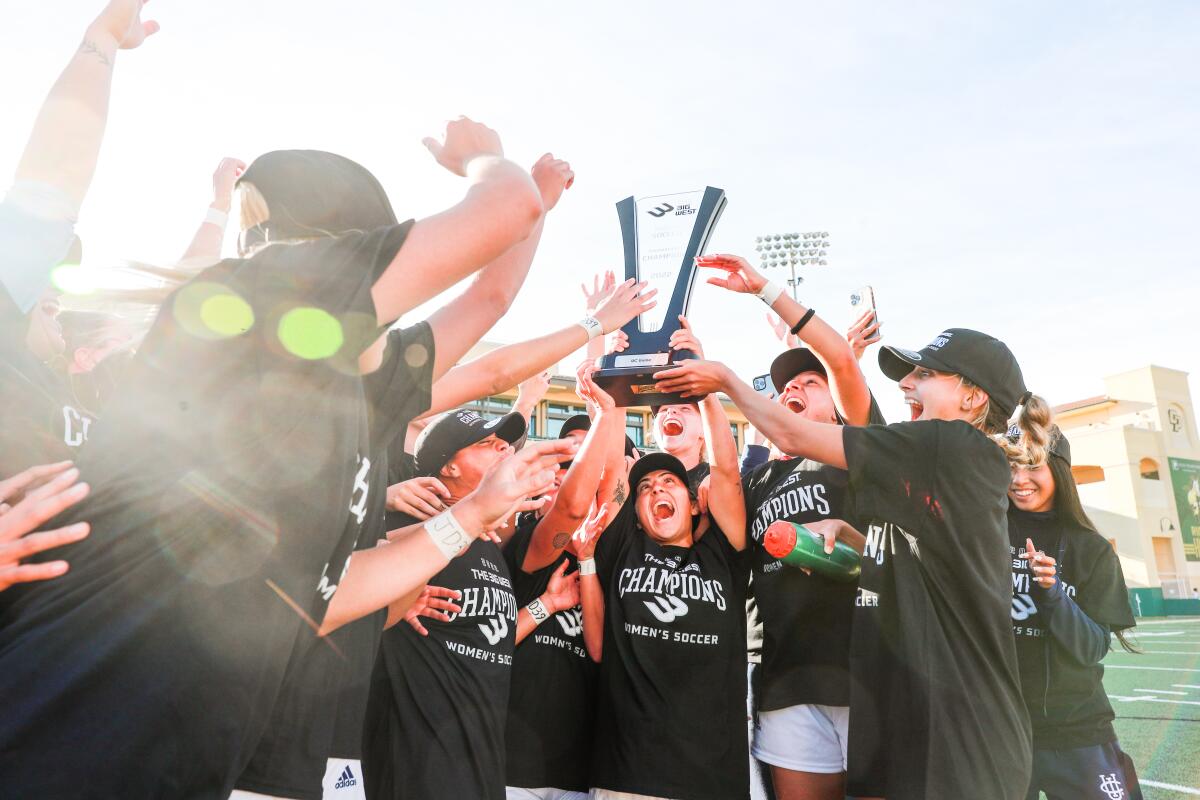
[310,333]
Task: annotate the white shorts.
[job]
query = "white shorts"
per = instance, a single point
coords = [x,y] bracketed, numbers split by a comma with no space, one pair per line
[804,738]
[608,794]
[546,793]
[343,780]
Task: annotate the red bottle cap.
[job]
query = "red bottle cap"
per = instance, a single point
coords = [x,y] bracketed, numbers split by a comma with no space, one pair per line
[780,538]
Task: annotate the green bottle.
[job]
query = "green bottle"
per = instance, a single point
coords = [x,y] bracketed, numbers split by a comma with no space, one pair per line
[798,546]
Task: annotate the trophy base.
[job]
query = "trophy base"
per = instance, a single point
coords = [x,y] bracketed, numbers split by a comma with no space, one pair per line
[631,387]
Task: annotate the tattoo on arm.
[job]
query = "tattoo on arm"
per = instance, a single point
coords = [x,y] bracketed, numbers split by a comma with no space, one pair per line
[560,540]
[619,493]
[89,48]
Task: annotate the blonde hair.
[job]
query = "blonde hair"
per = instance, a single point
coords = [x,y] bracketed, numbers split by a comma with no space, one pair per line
[254,210]
[1027,443]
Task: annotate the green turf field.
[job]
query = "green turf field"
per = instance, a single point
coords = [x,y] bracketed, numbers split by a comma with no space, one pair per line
[1157,700]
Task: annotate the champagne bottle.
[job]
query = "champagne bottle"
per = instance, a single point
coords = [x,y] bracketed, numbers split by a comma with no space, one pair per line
[797,546]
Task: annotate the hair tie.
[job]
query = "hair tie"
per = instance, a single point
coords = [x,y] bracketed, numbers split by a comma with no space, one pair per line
[1019,410]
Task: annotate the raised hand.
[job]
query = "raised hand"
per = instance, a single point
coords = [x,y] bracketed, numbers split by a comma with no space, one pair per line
[739,275]
[600,291]
[685,338]
[464,139]
[507,487]
[531,390]
[626,302]
[553,176]
[588,535]
[433,602]
[420,498]
[28,500]
[589,390]
[693,378]
[122,21]
[224,178]
[1041,566]
[618,342]
[864,333]
[562,592]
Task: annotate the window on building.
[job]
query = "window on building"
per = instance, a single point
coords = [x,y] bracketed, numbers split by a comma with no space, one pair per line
[635,429]
[491,407]
[1148,467]
[1087,473]
[556,415]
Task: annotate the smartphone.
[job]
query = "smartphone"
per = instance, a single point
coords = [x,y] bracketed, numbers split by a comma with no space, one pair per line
[762,384]
[862,299]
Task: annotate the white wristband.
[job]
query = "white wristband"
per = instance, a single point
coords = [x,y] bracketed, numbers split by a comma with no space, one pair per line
[449,536]
[216,216]
[592,326]
[587,566]
[769,293]
[537,609]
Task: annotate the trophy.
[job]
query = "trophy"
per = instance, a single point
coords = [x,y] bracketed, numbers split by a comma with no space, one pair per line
[662,236]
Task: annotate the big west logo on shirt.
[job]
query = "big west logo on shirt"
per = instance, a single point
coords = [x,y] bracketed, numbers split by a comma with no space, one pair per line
[791,501]
[490,606]
[672,590]
[1024,609]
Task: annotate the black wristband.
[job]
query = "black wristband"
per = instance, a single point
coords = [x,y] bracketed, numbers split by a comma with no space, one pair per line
[804,320]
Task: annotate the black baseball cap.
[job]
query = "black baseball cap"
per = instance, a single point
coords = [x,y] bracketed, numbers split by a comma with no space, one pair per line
[984,360]
[652,462]
[315,193]
[582,422]
[792,362]
[1059,446]
[455,430]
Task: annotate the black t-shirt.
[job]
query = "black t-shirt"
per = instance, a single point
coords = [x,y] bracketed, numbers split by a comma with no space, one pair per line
[41,421]
[437,704]
[671,712]
[551,704]
[935,698]
[1066,700]
[228,491]
[321,704]
[806,618]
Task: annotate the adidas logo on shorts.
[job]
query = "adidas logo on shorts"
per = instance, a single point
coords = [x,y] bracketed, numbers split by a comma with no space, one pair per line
[345,780]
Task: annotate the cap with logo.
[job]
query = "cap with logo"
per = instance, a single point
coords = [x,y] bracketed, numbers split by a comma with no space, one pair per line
[652,462]
[459,429]
[792,362]
[984,360]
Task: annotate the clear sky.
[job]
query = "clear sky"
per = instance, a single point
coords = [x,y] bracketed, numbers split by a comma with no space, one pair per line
[1029,169]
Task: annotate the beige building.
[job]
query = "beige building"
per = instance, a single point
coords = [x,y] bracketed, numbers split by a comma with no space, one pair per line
[1136,458]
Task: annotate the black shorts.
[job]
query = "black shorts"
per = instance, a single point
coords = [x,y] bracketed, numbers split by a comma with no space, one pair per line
[1100,772]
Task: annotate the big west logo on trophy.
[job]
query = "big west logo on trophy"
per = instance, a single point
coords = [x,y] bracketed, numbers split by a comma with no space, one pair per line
[662,236]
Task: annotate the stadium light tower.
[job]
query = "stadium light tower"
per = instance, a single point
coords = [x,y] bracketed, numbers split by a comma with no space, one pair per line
[790,250]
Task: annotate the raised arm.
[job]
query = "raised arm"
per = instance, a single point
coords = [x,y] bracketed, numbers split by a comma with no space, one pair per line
[381,576]
[505,367]
[725,501]
[462,322]
[846,381]
[591,592]
[207,241]
[791,433]
[562,592]
[65,143]
[501,208]
[578,491]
